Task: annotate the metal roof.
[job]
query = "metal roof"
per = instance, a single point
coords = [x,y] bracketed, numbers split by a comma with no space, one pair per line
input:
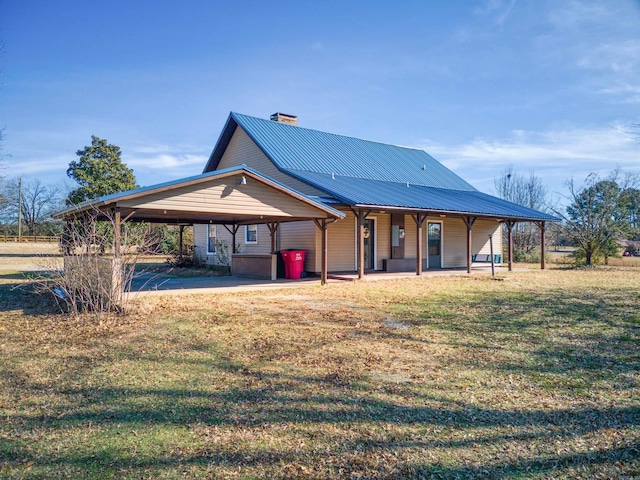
[366,173]
[385,194]
[295,148]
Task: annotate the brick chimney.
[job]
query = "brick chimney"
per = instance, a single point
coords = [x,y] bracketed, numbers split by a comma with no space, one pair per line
[285,118]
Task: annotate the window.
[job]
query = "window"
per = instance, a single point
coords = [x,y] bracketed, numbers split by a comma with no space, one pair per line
[251,234]
[211,238]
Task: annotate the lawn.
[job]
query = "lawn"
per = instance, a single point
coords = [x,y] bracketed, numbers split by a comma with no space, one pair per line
[534,375]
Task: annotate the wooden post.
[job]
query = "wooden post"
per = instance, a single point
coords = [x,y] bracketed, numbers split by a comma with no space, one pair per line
[181,239]
[469,221]
[493,267]
[116,233]
[273,228]
[419,218]
[323,225]
[510,224]
[233,230]
[361,217]
[541,226]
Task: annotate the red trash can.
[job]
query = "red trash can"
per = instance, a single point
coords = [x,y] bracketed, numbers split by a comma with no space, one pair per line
[293,263]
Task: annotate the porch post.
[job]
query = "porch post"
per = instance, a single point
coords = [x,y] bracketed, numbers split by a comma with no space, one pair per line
[419,218]
[181,232]
[273,227]
[360,243]
[233,230]
[541,226]
[510,224]
[469,221]
[116,233]
[323,225]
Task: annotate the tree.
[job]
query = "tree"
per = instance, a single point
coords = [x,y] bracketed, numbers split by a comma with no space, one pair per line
[39,203]
[596,215]
[528,192]
[99,171]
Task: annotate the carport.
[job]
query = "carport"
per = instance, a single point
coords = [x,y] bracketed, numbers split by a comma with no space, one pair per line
[231,197]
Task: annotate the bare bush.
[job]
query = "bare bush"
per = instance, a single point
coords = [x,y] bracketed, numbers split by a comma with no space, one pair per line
[97,273]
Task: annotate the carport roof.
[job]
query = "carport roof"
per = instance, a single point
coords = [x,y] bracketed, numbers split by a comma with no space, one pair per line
[159,203]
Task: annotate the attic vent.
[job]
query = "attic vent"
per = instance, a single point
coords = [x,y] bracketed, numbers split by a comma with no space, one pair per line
[285,118]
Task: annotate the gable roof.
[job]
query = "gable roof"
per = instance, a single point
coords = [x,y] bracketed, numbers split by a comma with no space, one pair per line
[209,209]
[293,148]
[365,173]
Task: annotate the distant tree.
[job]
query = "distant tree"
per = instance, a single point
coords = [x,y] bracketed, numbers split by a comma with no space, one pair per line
[99,171]
[37,203]
[528,192]
[632,203]
[596,215]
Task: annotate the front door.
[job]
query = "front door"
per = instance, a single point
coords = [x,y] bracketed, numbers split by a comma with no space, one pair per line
[369,244]
[434,240]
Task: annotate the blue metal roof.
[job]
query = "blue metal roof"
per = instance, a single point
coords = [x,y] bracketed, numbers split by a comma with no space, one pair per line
[365,192]
[365,173]
[296,148]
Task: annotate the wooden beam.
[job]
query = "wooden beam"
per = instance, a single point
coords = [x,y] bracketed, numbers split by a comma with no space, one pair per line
[541,226]
[510,224]
[233,232]
[181,232]
[361,217]
[273,228]
[323,225]
[116,233]
[419,218]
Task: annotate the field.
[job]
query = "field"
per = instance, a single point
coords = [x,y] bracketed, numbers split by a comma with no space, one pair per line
[533,375]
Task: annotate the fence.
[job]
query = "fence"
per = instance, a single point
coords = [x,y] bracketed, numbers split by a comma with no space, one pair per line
[29,238]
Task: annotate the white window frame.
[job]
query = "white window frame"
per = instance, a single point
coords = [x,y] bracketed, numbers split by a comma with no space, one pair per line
[212,226]
[246,234]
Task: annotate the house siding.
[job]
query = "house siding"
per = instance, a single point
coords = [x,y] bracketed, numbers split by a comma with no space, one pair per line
[243,150]
[302,236]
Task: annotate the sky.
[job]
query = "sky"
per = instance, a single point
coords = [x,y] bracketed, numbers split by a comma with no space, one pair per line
[549,87]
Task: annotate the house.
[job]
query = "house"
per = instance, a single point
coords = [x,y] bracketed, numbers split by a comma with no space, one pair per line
[354,205]
[398,204]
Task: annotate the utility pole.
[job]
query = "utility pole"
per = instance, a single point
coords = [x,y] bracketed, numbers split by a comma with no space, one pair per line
[20,209]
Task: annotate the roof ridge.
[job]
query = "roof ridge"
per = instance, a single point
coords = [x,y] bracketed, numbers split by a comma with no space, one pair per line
[329,133]
[334,174]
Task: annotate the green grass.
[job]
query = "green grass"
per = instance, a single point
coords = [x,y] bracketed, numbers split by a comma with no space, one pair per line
[534,376]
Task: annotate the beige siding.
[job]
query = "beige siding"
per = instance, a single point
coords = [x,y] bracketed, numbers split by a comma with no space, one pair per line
[383,238]
[242,149]
[410,239]
[302,236]
[454,243]
[225,195]
[480,236]
[455,240]
[342,244]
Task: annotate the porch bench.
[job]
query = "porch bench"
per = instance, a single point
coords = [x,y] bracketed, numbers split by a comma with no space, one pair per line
[486,258]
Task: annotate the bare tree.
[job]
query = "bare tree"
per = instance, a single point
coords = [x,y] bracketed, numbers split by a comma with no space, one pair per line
[37,203]
[528,192]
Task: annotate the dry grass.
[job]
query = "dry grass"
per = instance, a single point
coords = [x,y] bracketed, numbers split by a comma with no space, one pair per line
[535,376]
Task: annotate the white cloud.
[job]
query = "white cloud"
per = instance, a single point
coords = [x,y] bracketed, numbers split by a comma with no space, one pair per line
[554,156]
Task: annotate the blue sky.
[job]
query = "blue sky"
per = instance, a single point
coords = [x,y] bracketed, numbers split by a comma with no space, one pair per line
[548,86]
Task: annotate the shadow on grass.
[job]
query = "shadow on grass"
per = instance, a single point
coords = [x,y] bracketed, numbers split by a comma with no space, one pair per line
[256,399]
[22,297]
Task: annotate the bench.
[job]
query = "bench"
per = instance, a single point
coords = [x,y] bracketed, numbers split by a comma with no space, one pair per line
[486,258]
